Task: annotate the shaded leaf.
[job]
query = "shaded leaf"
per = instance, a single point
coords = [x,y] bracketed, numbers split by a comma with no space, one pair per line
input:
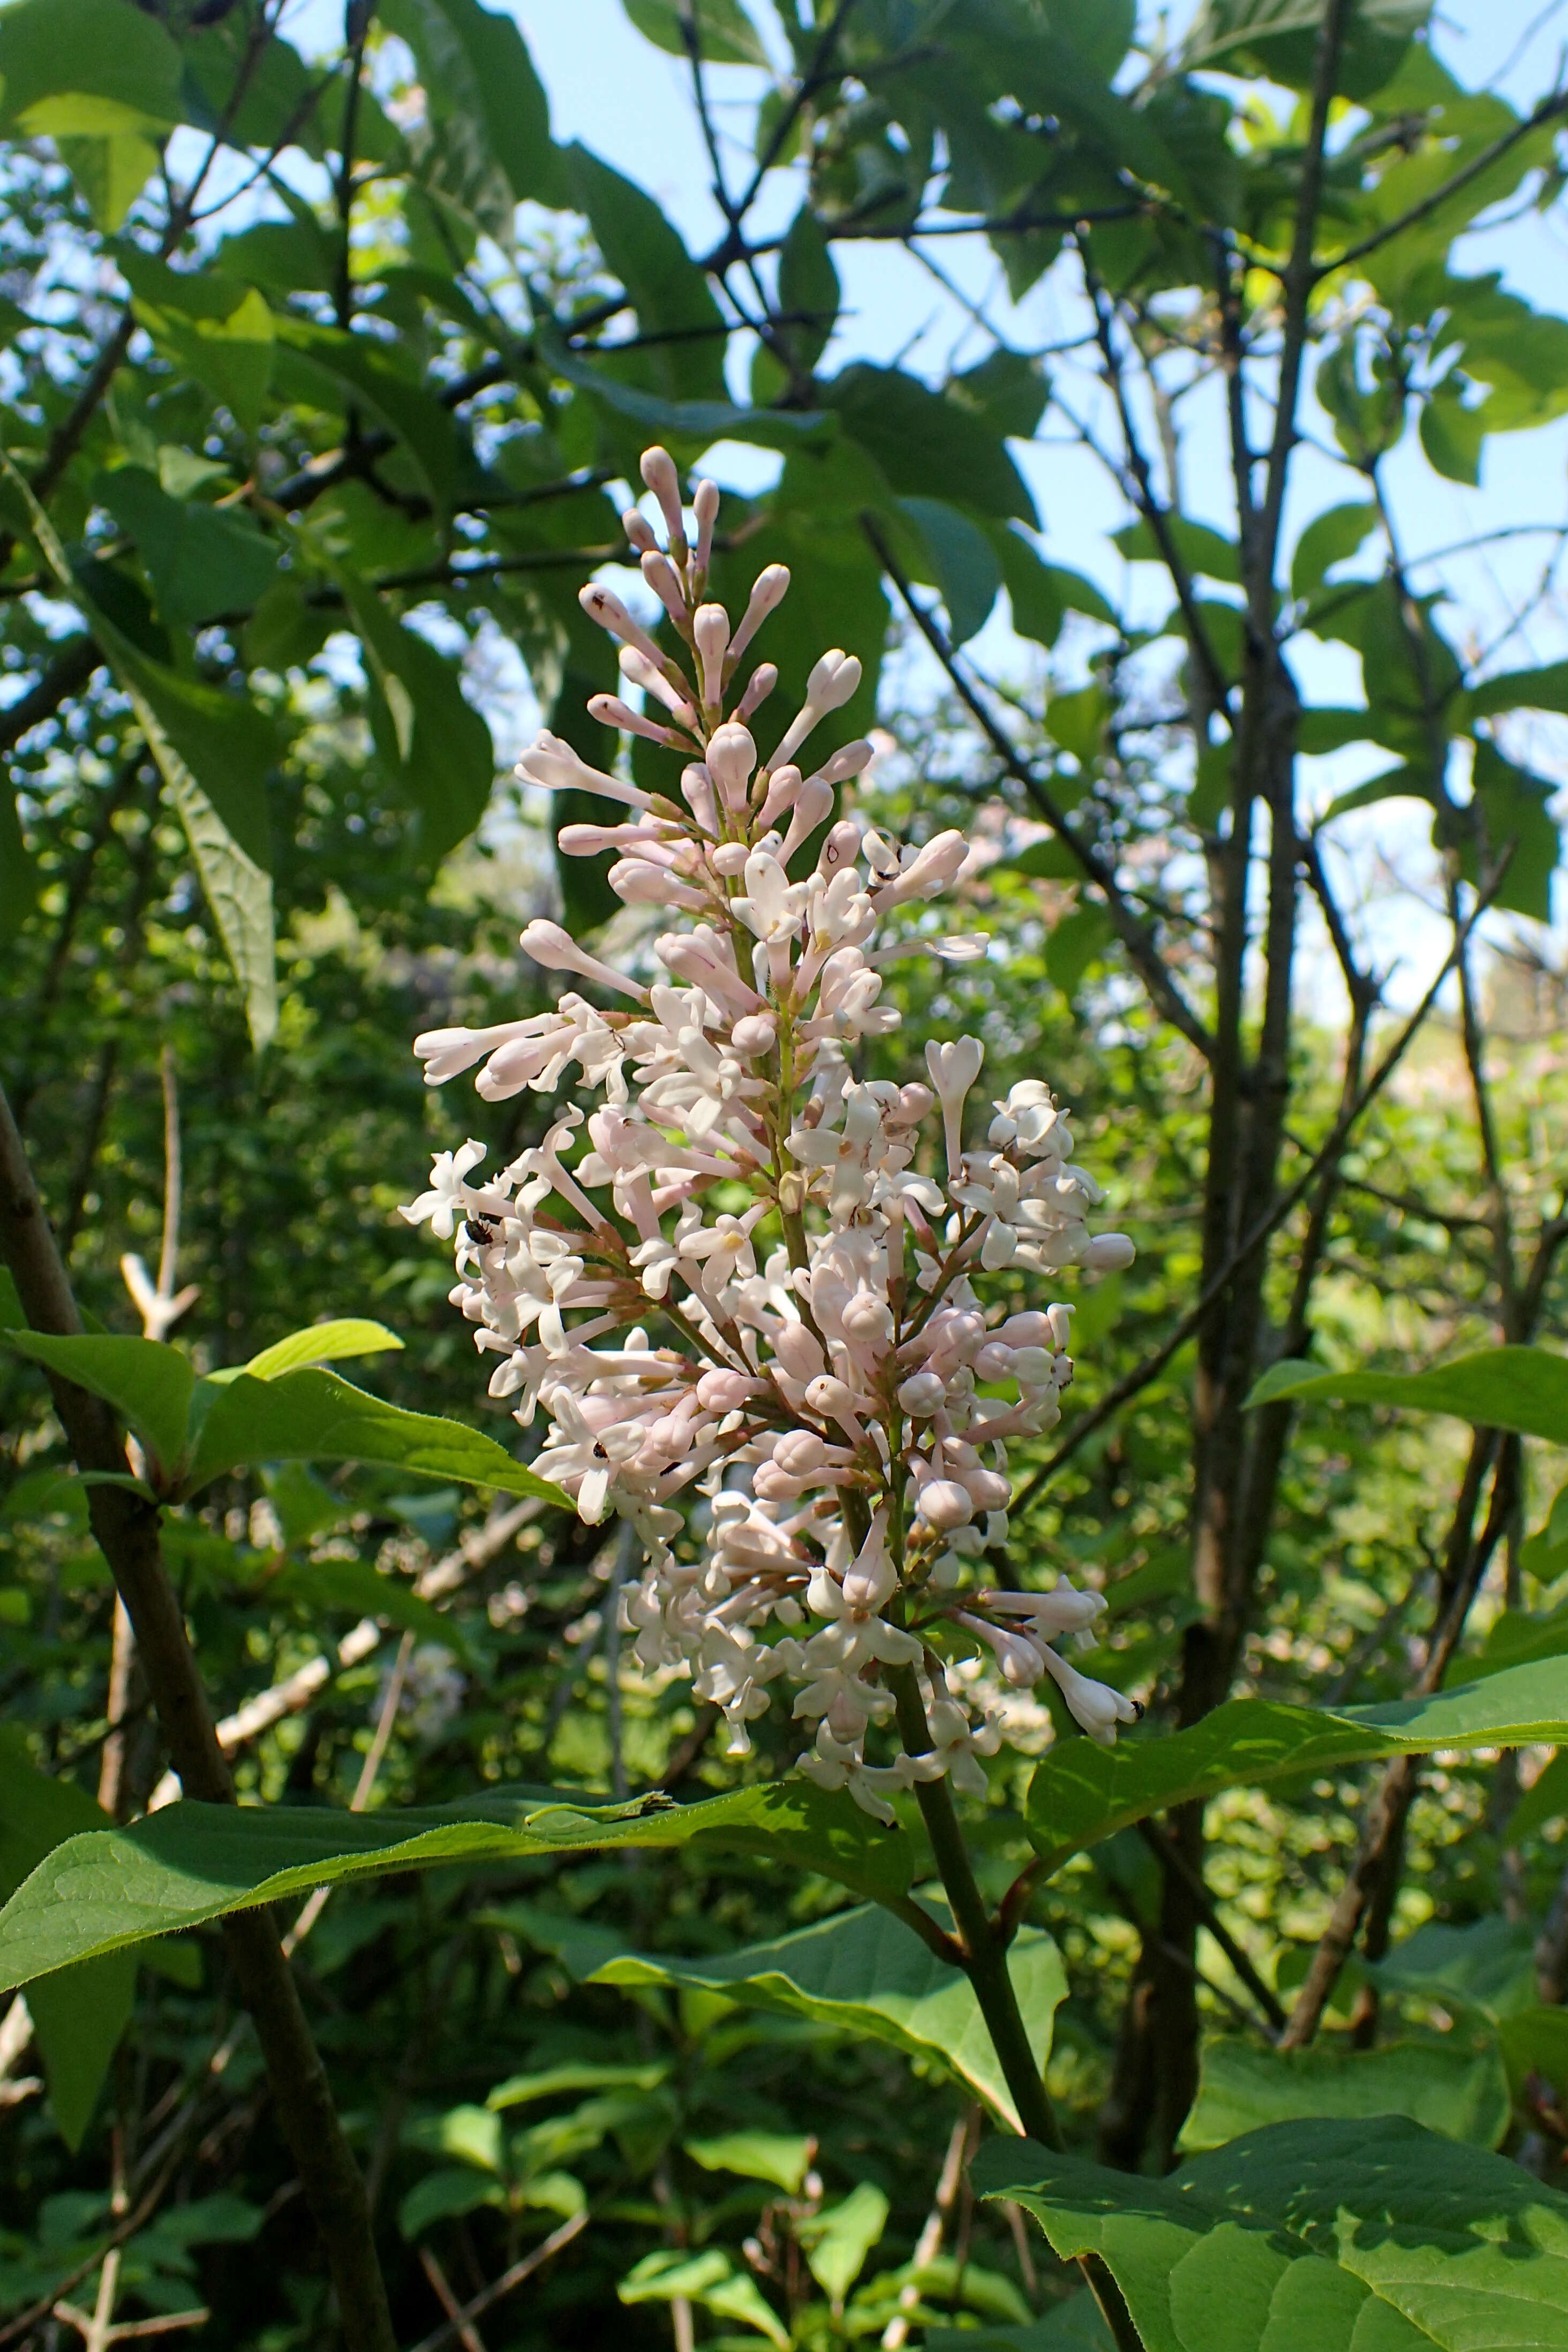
[1523,1388]
[838,2240]
[864,1972]
[962,559]
[202,563]
[18,878]
[1329,539]
[710,2279]
[669,293]
[433,742]
[1074,943]
[725,36]
[329,369]
[1203,552]
[86,67]
[488,143]
[149,1384]
[927,445]
[1456,2090]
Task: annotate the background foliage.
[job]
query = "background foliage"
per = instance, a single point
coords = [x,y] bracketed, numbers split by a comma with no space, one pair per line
[325,372]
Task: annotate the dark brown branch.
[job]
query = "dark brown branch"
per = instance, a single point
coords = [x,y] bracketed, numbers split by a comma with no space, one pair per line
[1133,933]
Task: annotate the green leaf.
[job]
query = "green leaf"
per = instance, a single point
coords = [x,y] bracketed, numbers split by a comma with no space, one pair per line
[94,68]
[329,369]
[1459,2091]
[725,36]
[1545,689]
[838,2239]
[1074,943]
[1521,1389]
[1515,810]
[668,292]
[1329,539]
[963,561]
[78,2014]
[1205,552]
[110,172]
[808,288]
[864,1972]
[1042,594]
[774,2156]
[201,563]
[927,445]
[315,1416]
[710,2279]
[1318,2236]
[1487,1967]
[321,1343]
[193,1862]
[518,2089]
[1044,861]
[1452,434]
[1081,1792]
[442,2196]
[431,739]
[213,327]
[1546,1800]
[487,146]
[149,1384]
[1534,2042]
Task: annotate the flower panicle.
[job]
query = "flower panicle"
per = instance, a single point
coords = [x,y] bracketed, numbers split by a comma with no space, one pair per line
[814,1365]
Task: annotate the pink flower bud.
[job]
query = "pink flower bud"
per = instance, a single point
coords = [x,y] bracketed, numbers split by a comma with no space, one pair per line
[697,792]
[639,530]
[768,592]
[665,581]
[711,630]
[945,1505]
[603,605]
[705,506]
[611,712]
[922,1394]
[731,761]
[813,802]
[782,786]
[755,1034]
[841,848]
[1109,1254]
[763,679]
[658,470]
[723,1391]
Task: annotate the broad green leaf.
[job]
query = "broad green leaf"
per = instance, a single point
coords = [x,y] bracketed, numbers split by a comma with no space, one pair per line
[1452,434]
[214,751]
[99,68]
[1205,552]
[193,1862]
[775,2157]
[1075,941]
[315,1416]
[1534,2043]
[1318,2236]
[329,369]
[1545,689]
[321,1343]
[443,2196]
[149,1384]
[1487,1967]
[212,326]
[1044,861]
[1329,539]
[1081,1792]
[669,293]
[694,422]
[487,143]
[1458,2090]
[864,1972]
[432,742]
[1521,1389]
[519,2090]
[1515,810]
[111,172]
[268,102]
[838,2239]
[1042,594]
[927,445]
[1517,1635]
[962,562]
[808,288]
[725,36]
[202,563]
[79,2013]
[710,2279]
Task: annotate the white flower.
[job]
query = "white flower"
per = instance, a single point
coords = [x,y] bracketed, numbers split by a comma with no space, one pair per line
[840,1381]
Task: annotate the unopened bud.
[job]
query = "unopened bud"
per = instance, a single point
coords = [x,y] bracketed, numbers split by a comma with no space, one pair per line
[658,470]
[705,506]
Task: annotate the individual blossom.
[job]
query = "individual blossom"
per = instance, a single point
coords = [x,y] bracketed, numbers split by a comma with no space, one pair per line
[753,1293]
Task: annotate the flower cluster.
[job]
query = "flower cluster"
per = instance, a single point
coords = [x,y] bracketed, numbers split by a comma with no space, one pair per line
[747,1279]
